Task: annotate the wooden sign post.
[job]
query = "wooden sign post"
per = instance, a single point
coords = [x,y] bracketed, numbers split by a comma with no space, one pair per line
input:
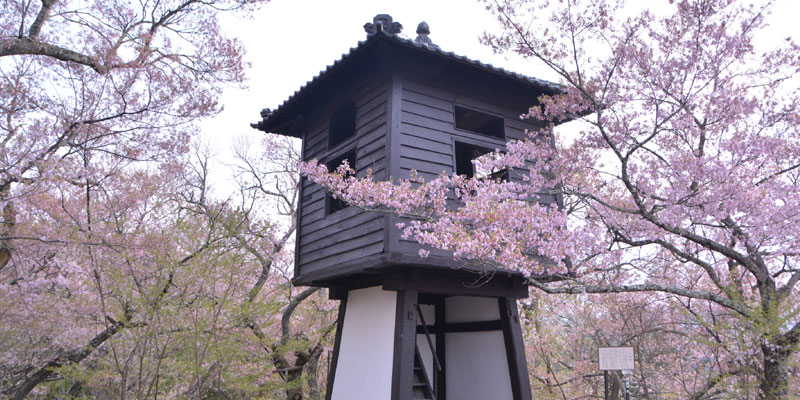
[614,359]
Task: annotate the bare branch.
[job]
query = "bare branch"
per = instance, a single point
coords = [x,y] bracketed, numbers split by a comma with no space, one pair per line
[70,357]
[34,47]
[714,381]
[289,310]
[44,13]
[650,287]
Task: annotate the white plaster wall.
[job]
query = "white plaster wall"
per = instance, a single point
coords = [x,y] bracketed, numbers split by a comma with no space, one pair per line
[429,312]
[425,351]
[364,368]
[470,309]
[477,365]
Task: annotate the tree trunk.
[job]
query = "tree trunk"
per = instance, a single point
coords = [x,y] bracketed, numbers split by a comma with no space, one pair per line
[294,381]
[614,386]
[294,376]
[9,220]
[774,383]
[311,373]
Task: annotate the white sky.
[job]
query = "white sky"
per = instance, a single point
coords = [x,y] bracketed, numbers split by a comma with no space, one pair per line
[288,42]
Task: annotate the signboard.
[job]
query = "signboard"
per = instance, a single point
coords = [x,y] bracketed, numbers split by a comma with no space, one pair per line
[615,358]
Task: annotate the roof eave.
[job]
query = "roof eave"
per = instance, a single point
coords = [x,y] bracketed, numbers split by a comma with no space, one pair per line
[277,121]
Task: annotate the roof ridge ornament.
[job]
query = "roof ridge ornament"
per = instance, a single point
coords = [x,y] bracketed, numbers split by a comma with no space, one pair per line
[423,30]
[382,22]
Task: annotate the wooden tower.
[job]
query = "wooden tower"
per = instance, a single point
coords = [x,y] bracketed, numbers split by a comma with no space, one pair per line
[408,327]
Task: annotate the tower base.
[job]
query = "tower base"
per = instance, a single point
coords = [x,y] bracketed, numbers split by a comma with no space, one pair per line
[405,344]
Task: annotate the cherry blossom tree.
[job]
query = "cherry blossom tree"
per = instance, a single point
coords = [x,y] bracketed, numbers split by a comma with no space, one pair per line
[682,179]
[90,88]
[87,267]
[269,182]
[154,287]
[102,260]
[676,355]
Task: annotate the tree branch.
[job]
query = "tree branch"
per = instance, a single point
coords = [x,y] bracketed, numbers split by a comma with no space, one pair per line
[71,357]
[713,381]
[650,287]
[784,291]
[44,13]
[289,310]
[34,47]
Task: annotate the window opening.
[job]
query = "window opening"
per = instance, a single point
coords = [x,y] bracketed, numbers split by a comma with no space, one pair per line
[467,153]
[478,122]
[343,124]
[332,204]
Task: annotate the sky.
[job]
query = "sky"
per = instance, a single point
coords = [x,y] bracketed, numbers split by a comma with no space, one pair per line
[288,42]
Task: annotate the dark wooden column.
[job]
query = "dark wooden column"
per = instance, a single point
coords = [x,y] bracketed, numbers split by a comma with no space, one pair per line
[405,338]
[337,344]
[441,376]
[515,349]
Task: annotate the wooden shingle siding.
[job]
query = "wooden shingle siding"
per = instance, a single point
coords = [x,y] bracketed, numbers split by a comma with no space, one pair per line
[412,247]
[358,246]
[316,142]
[340,257]
[372,152]
[312,206]
[327,240]
[425,130]
[313,245]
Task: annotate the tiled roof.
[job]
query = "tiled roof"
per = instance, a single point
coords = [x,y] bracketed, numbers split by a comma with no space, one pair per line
[266,113]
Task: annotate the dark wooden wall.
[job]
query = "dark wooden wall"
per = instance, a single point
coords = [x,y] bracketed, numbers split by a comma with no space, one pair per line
[427,133]
[328,240]
[405,122]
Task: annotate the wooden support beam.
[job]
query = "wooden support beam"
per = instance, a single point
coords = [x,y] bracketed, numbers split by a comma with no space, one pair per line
[473,326]
[439,326]
[448,285]
[337,344]
[515,349]
[405,339]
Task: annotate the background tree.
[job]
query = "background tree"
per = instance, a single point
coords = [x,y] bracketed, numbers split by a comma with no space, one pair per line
[269,182]
[676,356]
[121,274]
[176,293]
[683,179]
[95,96]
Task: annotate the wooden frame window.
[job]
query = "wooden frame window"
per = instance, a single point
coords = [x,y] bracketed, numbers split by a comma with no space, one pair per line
[343,124]
[465,153]
[479,122]
[332,204]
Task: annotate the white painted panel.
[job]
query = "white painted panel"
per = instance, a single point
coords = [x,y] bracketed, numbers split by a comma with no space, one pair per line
[428,312]
[470,309]
[364,368]
[477,366]
[425,351]
[427,354]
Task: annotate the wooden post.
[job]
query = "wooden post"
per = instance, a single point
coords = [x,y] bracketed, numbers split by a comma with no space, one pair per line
[405,338]
[515,349]
[337,344]
[441,376]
